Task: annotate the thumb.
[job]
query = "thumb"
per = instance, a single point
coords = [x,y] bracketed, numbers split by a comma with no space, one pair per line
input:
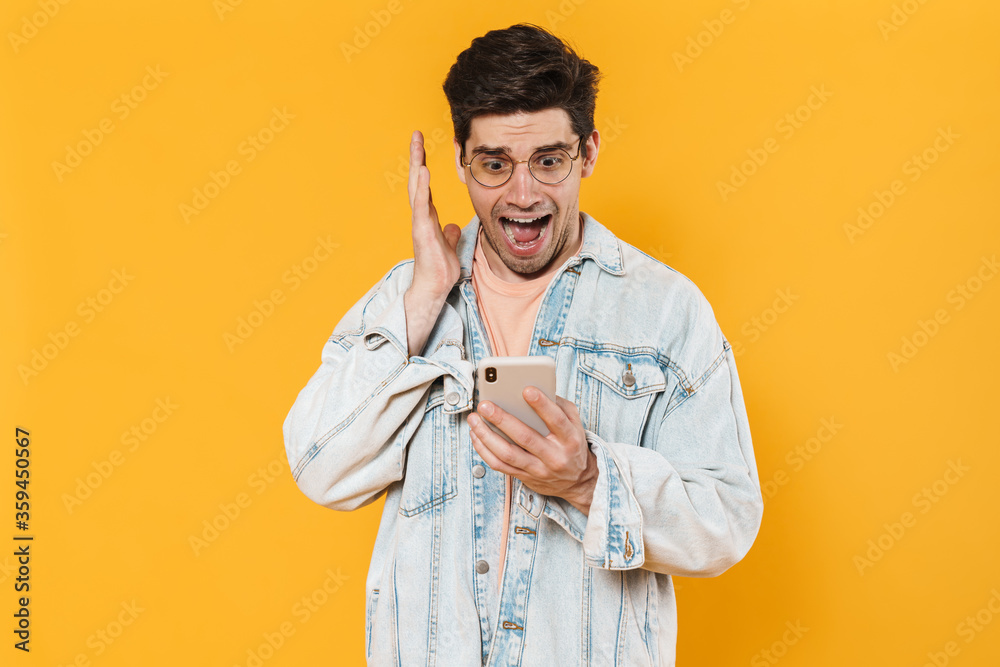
[452,233]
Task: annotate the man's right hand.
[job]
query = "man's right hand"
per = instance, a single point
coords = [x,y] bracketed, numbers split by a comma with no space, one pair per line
[435,263]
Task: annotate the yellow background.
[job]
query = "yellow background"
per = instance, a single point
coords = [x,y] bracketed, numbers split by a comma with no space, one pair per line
[893,75]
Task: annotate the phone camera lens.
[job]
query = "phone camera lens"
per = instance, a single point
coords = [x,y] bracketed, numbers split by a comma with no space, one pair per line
[491,374]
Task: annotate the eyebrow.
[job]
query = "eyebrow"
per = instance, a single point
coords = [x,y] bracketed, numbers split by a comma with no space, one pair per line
[482,148]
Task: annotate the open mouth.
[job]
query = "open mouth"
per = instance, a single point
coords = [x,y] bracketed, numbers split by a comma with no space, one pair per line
[525,234]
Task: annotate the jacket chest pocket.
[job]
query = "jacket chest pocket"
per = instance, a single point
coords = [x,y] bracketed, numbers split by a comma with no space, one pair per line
[615,391]
[431,458]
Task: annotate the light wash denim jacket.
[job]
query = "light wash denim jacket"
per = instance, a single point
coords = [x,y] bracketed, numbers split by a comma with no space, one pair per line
[638,349]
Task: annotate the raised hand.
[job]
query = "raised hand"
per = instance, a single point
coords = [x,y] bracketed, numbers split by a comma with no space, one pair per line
[435,264]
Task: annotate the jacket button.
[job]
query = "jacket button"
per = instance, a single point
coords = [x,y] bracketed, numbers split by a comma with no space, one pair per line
[628,378]
[478,471]
[453,398]
[482,567]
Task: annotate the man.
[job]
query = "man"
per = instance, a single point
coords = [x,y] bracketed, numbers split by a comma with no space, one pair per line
[556,550]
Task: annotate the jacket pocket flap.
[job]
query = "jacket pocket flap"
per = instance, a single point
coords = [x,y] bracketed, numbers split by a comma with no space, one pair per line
[630,375]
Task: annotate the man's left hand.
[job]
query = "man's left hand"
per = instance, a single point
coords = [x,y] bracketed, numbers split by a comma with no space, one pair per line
[558,464]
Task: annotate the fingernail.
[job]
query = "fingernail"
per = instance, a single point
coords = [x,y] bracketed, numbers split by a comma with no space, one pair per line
[531,393]
[487,409]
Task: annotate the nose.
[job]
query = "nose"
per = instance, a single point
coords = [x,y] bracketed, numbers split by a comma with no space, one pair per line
[522,188]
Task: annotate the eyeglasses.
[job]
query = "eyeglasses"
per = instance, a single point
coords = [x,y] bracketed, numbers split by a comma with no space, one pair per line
[550,166]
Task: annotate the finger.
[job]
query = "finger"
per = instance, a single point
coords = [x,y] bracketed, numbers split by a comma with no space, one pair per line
[417,159]
[511,454]
[421,198]
[555,415]
[526,437]
[569,407]
[492,460]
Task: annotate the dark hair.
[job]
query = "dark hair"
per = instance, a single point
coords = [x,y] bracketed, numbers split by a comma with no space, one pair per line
[523,68]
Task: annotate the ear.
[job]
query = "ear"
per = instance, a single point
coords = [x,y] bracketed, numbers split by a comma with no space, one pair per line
[593,144]
[458,161]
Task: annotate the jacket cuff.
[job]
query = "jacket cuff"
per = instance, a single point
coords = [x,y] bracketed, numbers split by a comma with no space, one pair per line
[445,339]
[613,537]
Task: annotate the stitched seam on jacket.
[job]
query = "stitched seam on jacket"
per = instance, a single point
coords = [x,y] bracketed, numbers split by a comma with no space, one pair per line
[321,442]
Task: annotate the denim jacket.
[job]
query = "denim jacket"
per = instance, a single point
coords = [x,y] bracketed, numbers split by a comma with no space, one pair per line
[638,349]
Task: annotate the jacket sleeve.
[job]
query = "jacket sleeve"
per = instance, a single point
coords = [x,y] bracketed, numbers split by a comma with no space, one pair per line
[347,432]
[690,505]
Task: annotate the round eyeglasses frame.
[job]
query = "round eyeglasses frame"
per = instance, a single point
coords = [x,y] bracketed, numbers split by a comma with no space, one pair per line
[514,164]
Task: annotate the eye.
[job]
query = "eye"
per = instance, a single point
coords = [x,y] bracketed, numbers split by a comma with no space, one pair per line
[493,163]
[549,161]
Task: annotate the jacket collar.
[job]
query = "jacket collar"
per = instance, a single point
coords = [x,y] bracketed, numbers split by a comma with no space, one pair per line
[599,244]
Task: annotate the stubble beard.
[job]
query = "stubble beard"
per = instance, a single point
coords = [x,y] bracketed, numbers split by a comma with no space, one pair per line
[537,262]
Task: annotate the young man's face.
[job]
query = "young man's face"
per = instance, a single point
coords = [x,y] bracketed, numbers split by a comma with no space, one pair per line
[549,231]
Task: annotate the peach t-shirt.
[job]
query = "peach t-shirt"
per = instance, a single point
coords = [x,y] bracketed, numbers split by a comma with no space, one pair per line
[508,311]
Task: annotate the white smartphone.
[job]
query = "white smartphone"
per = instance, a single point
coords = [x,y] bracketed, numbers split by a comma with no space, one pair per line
[501,380]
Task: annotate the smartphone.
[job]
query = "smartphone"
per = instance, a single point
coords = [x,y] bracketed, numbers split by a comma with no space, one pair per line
[501,380]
